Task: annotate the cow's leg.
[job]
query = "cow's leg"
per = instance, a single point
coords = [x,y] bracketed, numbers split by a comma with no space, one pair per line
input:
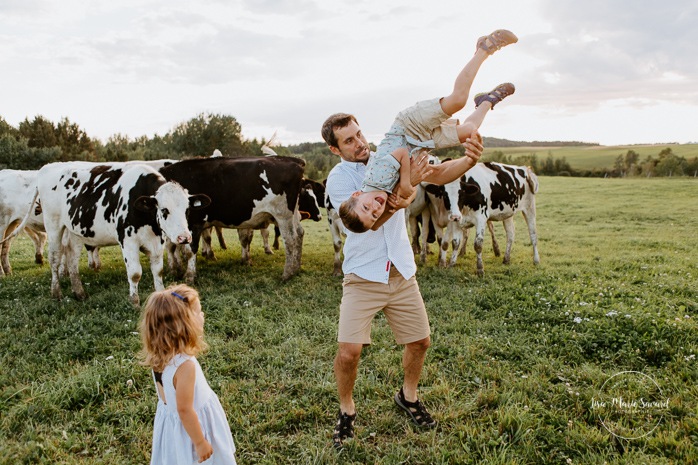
[71,251]
[245,236]
[464,242]
[39,240]
[277,233]
[456,239]
[55,260]
[530,217]
[221,239]
[477,245]
[337,265]
[424,247]
[96,260]
[413,226]
[444,243]
[292,233]
[495,244]
[155,254]
[93,260]
[206,247]
[171,249]
[132,260]
[189,257]
[5,268]
[509,228]
[265,240]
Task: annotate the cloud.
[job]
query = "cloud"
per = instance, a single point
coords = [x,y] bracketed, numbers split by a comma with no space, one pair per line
[599,51]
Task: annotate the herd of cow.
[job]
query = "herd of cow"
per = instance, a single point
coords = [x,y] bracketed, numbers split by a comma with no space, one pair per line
[172,205]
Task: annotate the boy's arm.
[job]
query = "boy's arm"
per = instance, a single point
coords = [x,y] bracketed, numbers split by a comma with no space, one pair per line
[395,203]
[418,170]
[404,186]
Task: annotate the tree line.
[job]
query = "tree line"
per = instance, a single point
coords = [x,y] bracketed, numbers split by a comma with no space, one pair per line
[39,141]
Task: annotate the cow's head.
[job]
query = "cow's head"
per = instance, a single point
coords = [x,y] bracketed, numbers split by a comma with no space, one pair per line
[171,204]
[311,198]
[449,194]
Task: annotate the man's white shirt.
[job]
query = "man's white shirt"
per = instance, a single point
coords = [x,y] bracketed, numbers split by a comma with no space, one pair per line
[370,254]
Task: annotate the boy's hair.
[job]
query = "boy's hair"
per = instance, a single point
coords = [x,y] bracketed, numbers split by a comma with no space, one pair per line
[349,217]
[336,121]
[168,327]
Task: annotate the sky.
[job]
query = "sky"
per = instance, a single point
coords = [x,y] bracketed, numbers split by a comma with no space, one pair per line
[613,72]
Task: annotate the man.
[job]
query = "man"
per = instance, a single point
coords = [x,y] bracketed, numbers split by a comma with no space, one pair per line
[379,275]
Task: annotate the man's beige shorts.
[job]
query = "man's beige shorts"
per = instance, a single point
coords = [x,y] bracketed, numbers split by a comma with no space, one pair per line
[426,120]
[400,301]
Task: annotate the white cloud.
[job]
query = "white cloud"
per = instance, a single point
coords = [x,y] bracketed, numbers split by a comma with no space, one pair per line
[592,71]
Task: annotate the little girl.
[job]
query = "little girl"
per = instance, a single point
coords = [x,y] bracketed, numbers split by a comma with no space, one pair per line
[190,424]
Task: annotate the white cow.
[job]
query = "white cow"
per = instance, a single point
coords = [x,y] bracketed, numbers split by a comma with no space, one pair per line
[17,188]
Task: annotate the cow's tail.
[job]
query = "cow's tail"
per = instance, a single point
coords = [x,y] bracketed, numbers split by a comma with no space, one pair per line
[24,220]
[532,179]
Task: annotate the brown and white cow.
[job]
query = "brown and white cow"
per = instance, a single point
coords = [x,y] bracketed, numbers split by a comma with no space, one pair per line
[245,192]
[490,192]
[100,205]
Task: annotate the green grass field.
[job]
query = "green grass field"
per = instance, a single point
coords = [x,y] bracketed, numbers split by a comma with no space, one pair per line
[518,357]
[596,157]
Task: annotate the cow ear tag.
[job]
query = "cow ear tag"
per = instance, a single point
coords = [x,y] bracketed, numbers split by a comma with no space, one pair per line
[197,203]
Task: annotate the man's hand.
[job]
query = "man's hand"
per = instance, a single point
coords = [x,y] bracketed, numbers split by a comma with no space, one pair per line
[420,168]
[473,147]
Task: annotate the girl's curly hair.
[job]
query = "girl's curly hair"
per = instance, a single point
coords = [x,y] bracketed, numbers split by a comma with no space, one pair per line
[168,326]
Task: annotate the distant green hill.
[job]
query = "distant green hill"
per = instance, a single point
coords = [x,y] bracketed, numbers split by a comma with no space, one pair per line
[589,157]
[580,155]
[495,142]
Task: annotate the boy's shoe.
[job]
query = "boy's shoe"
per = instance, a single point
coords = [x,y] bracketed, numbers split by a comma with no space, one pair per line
[343,430]
[416,410]
[496,95]
[498,39]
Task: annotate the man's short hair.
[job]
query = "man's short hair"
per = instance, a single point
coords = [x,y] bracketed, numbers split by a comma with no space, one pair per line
[336,121]
[349,217]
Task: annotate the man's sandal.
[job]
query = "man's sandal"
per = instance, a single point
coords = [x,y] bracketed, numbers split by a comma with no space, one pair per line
[496,95]
[498,39]
[416,410]
[343,430]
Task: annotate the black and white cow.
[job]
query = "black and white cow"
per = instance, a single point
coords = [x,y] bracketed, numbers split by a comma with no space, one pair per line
[17,189]
[93,260]
[338,232]
[489,192]
[310,200]
[417,217]
[245,192]
[98,205]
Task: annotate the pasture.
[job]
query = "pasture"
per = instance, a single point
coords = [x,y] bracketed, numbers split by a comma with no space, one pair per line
[517,359]
[596,157]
